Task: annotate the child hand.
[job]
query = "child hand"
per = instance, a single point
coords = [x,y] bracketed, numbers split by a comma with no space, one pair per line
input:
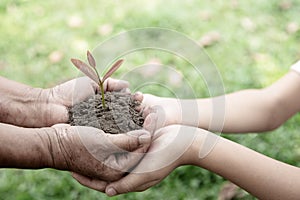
[167,111]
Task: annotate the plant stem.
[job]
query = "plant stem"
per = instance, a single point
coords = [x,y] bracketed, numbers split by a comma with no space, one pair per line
[101,87]
[100,82]
[102,95]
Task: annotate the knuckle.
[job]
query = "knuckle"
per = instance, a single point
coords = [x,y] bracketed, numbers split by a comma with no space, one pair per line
[127,187]
[133,142]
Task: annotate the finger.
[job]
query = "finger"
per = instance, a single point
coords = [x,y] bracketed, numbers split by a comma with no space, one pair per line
[146,111]
[95,184]
[130,183]
[148,99]
[82,89]
[150,123]
[126,90]
[153,109]
[126,162]
[74,91]
[95,86]
[131,140]
[115,85]
[155,118]
[61,125]
[138,96]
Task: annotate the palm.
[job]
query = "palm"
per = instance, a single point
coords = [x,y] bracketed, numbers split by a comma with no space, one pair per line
[67,94]
[167,151]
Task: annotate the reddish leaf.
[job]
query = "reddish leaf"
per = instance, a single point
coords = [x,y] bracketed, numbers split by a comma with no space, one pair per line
[113,68]
[91,59]
[88,71]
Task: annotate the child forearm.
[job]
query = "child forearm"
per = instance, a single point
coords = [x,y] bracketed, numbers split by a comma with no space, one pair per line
[253,110]
[262,176]
[243,111]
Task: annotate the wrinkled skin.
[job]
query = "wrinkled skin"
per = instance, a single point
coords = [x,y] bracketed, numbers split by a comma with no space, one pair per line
[93,153]
[24,106]
[65,95]
[163,156]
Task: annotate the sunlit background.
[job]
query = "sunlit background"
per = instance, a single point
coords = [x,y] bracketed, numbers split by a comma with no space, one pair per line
[252,43]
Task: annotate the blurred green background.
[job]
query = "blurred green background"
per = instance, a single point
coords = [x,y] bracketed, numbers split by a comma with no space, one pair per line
[252,43]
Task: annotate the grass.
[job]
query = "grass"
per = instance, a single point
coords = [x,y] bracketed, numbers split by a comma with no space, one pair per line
[256,46]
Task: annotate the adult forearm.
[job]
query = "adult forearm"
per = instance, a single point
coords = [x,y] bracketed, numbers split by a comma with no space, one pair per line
[262,176]
[23,147]
[25,106]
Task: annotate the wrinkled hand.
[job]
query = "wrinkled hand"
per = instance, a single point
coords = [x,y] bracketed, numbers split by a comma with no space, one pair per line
[59,98]
[89,152]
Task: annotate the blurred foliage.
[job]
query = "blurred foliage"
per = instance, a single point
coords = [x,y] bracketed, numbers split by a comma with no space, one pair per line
[252,43]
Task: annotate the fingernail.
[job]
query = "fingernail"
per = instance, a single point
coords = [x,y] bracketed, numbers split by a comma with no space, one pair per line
[138,96]
[111,192]
[138,93]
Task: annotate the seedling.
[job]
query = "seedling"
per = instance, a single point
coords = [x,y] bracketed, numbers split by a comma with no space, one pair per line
[91,71]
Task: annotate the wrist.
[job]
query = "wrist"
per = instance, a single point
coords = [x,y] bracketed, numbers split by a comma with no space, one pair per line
[200,147]
[173,110]
[176,111]
[185,141]
[16,106]
[49,110]
[39,108]
[53,155]
[25,106]
[26,148]
[188,112]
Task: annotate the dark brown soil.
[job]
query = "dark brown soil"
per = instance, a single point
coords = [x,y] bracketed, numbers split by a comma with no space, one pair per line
[119,116]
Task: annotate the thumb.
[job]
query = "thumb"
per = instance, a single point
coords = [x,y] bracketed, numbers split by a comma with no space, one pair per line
[150,122]
[111,84]
[131,140]
[155,118]
[61,125]
[130,183]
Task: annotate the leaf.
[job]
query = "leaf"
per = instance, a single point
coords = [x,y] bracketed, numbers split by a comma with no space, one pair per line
[91,59]
[112,69]
[84,68]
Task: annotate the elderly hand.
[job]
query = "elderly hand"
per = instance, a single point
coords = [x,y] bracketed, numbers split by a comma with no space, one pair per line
[65,95]
[89,152]
[22,105]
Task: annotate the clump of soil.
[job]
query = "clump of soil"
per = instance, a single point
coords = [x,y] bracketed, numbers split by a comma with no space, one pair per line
[119,116]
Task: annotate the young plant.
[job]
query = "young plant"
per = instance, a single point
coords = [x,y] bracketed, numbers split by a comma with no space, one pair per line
[91,71]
